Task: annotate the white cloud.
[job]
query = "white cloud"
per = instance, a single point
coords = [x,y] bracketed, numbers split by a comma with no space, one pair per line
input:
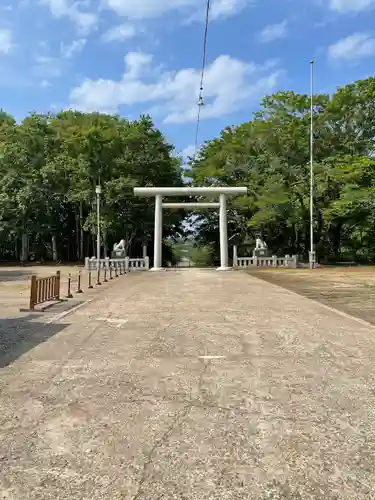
[137,64]
[85,20]
[229,85]
[148,9]
[47,67]
[187,153]
[346,6]
[353,47]
[274,32]
[226,8]
[120,33]
[70,50]
[6,43]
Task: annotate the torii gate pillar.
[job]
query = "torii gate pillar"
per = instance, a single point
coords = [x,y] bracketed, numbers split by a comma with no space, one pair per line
[158,193]
[158,232]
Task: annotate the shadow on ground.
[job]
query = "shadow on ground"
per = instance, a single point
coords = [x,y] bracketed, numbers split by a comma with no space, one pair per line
[14,275]
[19,335]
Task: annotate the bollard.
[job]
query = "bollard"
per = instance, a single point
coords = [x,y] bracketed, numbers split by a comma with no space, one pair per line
[79,289]
[90,284]
[105,276]
[69,294]
[110,272]
[98,276]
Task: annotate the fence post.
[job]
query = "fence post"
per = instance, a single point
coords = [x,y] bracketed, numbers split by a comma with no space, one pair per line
[116,270]
[274,260]
[294,261]
[127,264]
[69,294]
[57,285]
[235,256]
[90,284]
[110,271]
[255,261]
[105,274]
[33,292]
[98,275]
[87,262]
[79,289]
[147,263]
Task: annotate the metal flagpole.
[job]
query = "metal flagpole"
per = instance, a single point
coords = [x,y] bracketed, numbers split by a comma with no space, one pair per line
[311,253]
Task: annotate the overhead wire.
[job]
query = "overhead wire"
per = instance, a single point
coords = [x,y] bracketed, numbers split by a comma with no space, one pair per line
[200,98]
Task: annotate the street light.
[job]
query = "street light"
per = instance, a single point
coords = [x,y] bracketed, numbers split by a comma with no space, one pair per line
[98,190]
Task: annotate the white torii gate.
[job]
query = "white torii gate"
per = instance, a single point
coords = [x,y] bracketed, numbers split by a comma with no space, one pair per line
[159,192]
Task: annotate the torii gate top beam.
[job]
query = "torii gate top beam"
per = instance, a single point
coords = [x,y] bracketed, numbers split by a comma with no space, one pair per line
[186,191]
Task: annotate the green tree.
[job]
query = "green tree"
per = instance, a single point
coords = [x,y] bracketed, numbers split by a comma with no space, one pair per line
[270,156]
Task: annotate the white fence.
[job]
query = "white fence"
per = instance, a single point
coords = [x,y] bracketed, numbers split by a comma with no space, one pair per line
[274,261]
[130,264]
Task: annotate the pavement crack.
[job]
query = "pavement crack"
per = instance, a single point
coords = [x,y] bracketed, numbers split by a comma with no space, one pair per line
[176,423]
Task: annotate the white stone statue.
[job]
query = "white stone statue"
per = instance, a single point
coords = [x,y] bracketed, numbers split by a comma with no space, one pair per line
[260,244]
[119,247]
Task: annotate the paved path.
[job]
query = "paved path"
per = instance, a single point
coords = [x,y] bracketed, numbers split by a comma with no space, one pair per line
[107,410]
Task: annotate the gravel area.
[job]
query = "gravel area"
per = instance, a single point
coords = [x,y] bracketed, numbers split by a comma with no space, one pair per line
[15,284]
[192,385]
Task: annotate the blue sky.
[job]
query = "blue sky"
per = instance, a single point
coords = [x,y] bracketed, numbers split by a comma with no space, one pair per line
[144,56]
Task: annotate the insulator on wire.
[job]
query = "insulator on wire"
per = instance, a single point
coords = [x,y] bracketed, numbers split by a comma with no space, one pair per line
[200,101]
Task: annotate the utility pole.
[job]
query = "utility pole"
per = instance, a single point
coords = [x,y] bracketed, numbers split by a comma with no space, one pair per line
[312,252]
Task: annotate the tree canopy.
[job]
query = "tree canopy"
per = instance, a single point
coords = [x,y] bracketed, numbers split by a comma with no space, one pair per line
[50,165]
[270,155]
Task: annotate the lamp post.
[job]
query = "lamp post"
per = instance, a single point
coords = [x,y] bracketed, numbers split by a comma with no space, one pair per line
[98,190]
[312,252]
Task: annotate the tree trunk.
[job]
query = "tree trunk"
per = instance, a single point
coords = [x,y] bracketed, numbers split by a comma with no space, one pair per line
[16,247]
[54,249]
[81,230]
[335,238]
[25,244]
[105,244]
[87,245]
[77,236]
[128,243]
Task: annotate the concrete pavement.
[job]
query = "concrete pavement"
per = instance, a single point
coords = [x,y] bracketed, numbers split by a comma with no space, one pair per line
[202,386]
